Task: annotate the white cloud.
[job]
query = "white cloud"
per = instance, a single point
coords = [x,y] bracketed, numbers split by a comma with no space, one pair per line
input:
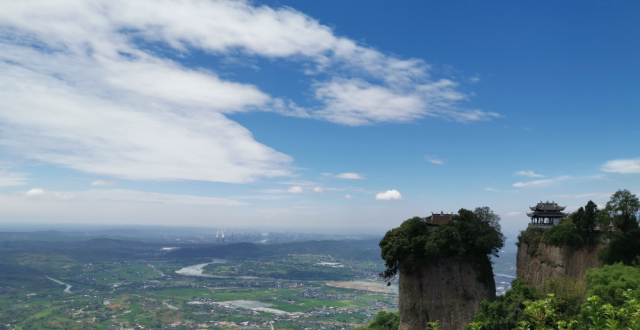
[530,174]
[491,189]
[512,214]
[123,139]
[299,183]
[34,192]
[295,190]
[435,160]
[623,166]
[389,195]
[102,183]
[136,114]
[541,183]
[318,190]
[347,196]
[129,196]
[8,178]
[356,102]
[148,197]
[351,176]
[585,195]
[272,191]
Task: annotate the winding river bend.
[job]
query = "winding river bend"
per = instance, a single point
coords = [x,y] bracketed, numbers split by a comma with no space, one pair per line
[196,270]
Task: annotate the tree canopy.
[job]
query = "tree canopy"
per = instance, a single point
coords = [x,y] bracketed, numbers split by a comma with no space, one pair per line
[468,234]
[621,210]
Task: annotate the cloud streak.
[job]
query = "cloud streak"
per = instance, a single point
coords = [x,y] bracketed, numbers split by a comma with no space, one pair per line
[530,174]
[541,183]
[350,176]
[8,178]
[102,183]
[434,160]
[129,196]
[622,166]
[585,195]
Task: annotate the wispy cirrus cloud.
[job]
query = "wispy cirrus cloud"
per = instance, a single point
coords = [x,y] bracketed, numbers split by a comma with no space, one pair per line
[512,214]
[434,159]
[129,196]
[8,178]
[584,195]
[348,176]
[622,166]
[541,183]
[102,183]
[491,189]
[530,174]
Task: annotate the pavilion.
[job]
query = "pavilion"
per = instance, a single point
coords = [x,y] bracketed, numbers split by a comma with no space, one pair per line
[546,214]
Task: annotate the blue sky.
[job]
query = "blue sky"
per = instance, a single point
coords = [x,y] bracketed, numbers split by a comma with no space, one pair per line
[336,114]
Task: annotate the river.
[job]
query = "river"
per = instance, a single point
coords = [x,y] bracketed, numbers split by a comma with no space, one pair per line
[196,270]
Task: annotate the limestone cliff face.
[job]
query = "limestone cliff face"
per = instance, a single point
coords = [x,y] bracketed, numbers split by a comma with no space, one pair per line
[445,290]
[537,265]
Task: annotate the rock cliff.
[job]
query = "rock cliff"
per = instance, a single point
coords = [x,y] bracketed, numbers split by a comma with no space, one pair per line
[445,290]
[537,264]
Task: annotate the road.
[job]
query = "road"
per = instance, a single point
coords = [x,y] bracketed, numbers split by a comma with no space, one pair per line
[67,289]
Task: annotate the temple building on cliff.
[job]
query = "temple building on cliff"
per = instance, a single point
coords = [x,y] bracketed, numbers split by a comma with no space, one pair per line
[437,219]
[546,214]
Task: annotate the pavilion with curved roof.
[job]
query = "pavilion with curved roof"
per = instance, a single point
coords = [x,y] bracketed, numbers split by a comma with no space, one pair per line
[546,214]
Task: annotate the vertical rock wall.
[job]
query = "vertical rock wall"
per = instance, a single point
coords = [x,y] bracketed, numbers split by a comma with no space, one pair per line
[551,261]
[445,290]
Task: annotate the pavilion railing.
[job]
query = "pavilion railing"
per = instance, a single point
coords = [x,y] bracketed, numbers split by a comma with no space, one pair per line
[543,225]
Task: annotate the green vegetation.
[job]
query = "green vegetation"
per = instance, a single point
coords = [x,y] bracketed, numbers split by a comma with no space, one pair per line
[506,311]
[532,238]
[578,229]
[144,289]
[470,235]
[292,267]
[610,282]
[612,301]
[622,212]
[384,321]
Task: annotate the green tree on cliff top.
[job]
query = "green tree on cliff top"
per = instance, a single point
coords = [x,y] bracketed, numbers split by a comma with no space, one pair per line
[585,221]
[469,234]
[622,211]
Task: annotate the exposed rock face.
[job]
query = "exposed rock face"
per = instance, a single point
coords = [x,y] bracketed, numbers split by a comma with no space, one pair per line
[445,290]
[551,261]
